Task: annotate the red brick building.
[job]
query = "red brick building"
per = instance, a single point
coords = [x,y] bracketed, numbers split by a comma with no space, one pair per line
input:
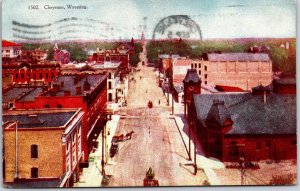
[10,49]
[252,126]
[88,92]
[36,54]
[285,85]
[62,56]
[31,72]
[113,56]
[42,148]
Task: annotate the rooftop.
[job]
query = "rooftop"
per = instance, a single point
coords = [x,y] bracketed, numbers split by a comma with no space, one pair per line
[286,81]
[238,57]
[191,76]
[30,96]
[71,82]
[39,118]
[6,43]
[249,113]
[15,93]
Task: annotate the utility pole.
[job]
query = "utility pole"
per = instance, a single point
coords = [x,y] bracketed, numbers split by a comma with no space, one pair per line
[102,158]
[243,171]
[172,105]
[16,157]
[195,155]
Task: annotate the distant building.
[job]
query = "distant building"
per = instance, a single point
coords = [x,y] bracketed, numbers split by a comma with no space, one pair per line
[242,70]
[85,91]
[118,55]
[36,54]
[285,85]
[42,147]
[62,56]
[10,49]
[31,72]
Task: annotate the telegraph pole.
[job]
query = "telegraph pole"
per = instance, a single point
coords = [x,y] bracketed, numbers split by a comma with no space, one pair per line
[102,158]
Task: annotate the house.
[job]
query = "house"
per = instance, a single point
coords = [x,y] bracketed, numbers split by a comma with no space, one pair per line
[88,92]
[42,147]
[10,49]
[62,56]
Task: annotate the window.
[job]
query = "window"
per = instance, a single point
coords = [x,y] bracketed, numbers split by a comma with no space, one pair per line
[17,76]
[199,72]
[258,146]
[199,65]
[109,85]
[41,75]
[47,76]
[7,51]
[205,68]
[22,76]
[205,76]
[109,75]
[107,59]
[205,82]
[192,65]
[46,106]
[34,172]
[59,106]
[34,151]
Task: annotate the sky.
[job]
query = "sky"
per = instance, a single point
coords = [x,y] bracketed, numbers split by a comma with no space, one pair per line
[123,19]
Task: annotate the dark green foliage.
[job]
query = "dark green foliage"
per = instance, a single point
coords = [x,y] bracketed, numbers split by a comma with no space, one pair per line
[134,58]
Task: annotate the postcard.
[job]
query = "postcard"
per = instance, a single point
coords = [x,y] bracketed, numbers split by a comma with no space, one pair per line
[148,93]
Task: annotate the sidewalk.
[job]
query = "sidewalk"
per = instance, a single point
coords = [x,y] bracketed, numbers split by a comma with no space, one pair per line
[203,162]
[92,176]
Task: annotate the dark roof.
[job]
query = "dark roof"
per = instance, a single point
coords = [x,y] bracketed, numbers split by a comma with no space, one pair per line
[249,113]
[68,81]
[262,88]
[286,81]
[6,43]
[30,96]
[40,119]
[15,93]
[217,114]
[191,76]
[238,57]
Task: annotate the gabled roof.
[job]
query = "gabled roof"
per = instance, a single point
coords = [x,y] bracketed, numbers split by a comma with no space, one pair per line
[249,113]
[6,43]
[238,57]
[191,76]
[217,114]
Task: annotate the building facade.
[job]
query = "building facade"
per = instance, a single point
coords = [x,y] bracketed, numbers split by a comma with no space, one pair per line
[36,54]
[31,72]
[88,92]
[62,56]
[38,147]
[242,70]
[11,49]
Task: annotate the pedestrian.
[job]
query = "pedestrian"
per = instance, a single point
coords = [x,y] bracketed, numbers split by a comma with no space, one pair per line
[159,102]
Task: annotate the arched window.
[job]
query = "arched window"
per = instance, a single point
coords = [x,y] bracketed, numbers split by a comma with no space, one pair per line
[109,75]
[109,97]
[34,151]
[109,85]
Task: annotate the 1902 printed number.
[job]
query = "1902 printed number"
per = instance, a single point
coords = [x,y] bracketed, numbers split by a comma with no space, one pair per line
[33,7]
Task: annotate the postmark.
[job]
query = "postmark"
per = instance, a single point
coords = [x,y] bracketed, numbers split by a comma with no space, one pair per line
[177,26]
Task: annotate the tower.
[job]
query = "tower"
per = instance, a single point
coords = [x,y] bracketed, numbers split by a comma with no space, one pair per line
[191,86]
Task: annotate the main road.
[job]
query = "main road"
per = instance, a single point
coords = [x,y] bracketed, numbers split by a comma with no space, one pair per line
[156,141]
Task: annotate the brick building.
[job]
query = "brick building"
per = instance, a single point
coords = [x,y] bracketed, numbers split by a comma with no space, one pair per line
[42,146]
[252,126]
[117,82]
[117,55]
[10,49]
[35,54]
[88,92]
[31,72]
[62,56]
[242,70]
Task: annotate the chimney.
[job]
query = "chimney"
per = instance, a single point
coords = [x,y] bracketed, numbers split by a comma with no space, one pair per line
[78,90]
[67,93]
